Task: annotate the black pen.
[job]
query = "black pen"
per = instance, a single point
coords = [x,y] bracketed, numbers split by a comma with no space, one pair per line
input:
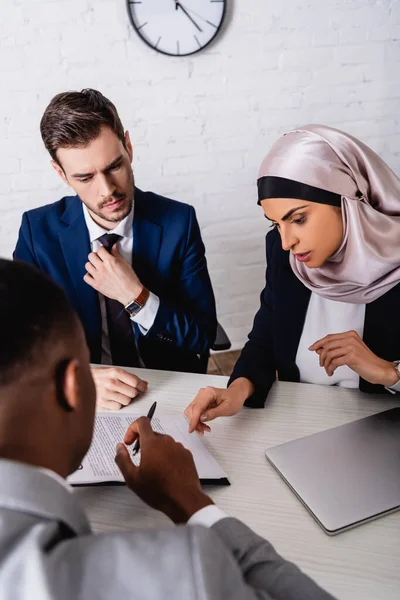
[136,445]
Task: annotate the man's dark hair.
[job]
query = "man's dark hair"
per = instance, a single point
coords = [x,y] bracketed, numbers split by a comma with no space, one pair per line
[74,119]
[34,315]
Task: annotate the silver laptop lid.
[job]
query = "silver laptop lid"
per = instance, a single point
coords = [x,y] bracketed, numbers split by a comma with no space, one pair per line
[345,475]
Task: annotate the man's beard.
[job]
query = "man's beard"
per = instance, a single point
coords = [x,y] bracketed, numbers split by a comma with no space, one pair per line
[118,217]
[116,196]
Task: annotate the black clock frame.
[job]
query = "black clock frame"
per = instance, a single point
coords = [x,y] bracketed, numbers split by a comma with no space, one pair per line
[137,29]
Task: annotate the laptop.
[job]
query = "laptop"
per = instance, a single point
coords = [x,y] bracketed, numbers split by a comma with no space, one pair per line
[347,475]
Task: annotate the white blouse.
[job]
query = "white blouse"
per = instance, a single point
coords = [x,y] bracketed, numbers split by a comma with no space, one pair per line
[324,317]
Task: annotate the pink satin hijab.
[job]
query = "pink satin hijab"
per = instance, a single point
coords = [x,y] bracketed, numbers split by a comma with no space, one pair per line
[367,264]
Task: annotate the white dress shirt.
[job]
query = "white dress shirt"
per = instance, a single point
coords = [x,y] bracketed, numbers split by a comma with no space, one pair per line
[207,516]
[56,477]
[146,316]
[323,317]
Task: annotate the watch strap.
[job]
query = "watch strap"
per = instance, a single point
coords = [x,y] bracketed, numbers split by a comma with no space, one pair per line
[397,367]
[396,386]
[136,305]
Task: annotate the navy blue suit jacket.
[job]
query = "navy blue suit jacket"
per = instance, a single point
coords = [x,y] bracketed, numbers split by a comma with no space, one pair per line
[278,325]
[168,257]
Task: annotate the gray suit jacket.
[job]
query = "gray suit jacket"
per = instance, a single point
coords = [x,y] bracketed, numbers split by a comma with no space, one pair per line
[47,552]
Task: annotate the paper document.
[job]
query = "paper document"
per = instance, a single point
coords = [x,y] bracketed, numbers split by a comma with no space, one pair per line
[99,466]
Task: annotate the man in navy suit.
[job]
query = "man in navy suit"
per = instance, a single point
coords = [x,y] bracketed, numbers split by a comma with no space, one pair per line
[131,262]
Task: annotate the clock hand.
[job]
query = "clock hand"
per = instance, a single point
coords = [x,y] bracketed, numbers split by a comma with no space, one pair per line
[187,14]
[196,14]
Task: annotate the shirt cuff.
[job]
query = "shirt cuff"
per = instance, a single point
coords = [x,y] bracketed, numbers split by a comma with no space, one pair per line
[393,388]
[146,316]
[207,516]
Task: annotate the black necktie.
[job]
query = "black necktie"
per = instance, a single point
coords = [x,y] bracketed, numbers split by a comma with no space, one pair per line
[120,331]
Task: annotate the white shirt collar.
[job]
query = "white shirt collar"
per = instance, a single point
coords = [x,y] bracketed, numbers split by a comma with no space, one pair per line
[124,227]
[56,477]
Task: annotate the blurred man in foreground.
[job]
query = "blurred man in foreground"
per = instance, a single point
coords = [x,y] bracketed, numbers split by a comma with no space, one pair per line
[47,549]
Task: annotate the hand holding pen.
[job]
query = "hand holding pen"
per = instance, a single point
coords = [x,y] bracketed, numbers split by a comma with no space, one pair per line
[166,478]
[136,445]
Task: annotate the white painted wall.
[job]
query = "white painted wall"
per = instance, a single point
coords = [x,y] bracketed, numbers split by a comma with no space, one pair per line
[201,124]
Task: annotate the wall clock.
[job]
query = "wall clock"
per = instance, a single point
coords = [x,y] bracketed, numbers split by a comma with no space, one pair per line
[177,27]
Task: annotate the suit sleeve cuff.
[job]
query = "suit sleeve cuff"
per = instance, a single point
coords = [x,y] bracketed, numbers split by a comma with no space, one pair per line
[207,516]
[147,315]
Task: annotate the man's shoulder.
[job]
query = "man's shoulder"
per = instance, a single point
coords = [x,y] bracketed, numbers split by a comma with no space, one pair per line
[159,207]
[199,558]
[51,213]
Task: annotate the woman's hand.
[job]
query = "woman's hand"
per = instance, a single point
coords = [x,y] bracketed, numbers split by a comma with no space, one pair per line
[338,349]
[211,403]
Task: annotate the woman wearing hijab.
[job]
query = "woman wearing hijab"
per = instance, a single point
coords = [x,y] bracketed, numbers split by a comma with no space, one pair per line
[330,309]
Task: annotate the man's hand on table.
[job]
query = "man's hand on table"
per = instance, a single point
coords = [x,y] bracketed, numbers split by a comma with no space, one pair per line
[115,387]
[166,479]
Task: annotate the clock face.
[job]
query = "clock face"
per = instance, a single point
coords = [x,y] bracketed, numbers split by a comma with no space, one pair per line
[177,27]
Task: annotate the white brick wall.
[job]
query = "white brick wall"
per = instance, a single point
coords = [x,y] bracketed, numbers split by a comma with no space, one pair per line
[201,124]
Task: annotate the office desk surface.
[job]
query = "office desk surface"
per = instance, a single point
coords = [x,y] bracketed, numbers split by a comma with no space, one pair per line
[360,563]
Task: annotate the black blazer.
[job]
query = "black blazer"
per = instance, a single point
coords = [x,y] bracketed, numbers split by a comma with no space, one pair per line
[278,325]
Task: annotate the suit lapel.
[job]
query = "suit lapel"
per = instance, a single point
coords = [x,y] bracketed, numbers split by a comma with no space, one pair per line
[75,244]
[147,235]
[381,329]
[292,304]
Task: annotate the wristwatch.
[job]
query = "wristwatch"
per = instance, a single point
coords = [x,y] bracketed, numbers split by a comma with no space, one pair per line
[397,367]
[132,308]
[396,386]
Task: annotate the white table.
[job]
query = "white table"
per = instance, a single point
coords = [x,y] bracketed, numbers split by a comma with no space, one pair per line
[360,563]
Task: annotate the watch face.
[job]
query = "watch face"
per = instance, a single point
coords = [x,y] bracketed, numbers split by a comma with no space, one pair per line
[133,308]
[176,27]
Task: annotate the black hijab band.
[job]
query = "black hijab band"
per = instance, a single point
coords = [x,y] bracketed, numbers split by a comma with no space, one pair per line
[279,187]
